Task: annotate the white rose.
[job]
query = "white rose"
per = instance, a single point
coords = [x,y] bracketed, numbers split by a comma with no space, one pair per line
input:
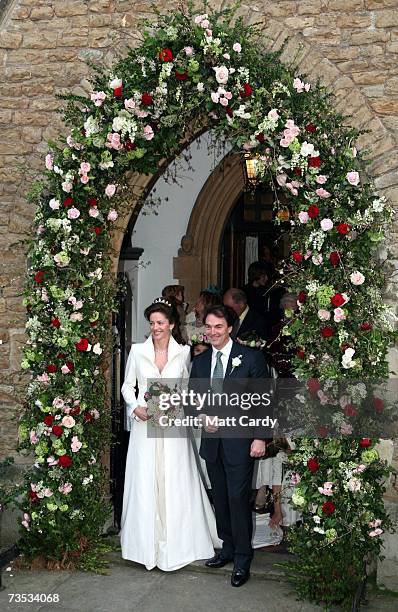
[306,149]
[222,74]
[357,278]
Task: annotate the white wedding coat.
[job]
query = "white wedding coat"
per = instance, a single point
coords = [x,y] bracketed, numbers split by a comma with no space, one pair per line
[167,520]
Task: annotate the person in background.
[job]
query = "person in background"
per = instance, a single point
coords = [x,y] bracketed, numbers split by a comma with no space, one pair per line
[175,294]
[194,327]
[256,287]
[249,320]
[268,261]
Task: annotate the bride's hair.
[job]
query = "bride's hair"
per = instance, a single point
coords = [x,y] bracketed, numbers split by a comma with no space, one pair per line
[169,310]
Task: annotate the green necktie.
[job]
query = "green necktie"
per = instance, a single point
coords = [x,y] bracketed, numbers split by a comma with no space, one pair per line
[218,374]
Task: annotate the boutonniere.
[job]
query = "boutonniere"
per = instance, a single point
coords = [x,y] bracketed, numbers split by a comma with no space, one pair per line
[236,362]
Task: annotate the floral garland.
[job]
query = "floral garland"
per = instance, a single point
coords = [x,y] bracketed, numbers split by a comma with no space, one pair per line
[189,73]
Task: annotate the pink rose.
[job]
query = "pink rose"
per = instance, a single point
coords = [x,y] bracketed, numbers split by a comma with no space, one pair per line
[85,168]
[339,315]
[326,224]
[357,278]
[65,369]
[237,47]
[148,132]
[293,187]
[285,142]
[113,141]
[188,51]
[303,216]
[324,315]
[76,316]
[321,179]
[73,213]
[215,97]
[352,177]
[65,488]
[322,193]
[93,212]
[112,215]
[68,421]
[98,97]
[84,179]
[317,259]
[346,429]
[67,187]
[129,104]
[49,161]
[75,444]
[226,56]
[110,190]
[204,24]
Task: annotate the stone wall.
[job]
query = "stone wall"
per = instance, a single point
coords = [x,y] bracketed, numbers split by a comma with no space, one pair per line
[351,45]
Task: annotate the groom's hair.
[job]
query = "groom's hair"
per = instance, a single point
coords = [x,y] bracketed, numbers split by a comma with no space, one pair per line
[222,312]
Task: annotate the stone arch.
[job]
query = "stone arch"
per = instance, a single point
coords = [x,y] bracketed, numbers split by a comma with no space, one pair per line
[201,244]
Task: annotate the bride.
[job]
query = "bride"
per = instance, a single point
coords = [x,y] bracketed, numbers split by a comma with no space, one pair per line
[167,520]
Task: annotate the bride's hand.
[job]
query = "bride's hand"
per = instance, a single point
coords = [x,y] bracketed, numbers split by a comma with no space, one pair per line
[142,413]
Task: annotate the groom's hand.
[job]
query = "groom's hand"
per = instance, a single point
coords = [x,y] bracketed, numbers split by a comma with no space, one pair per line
[257,448]
[210,428]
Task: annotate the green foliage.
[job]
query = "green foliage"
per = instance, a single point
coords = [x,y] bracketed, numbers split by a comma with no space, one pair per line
[186,76]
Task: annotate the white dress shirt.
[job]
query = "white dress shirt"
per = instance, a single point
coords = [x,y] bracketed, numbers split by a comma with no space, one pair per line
[226,350]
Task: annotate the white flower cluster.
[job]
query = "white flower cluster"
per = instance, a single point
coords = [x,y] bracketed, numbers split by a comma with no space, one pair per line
[125,124]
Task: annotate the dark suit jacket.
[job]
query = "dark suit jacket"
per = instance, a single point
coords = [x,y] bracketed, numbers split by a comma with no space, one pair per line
[236,442]
[254,322]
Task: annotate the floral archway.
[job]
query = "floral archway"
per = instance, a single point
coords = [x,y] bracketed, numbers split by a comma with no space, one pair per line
[189,73]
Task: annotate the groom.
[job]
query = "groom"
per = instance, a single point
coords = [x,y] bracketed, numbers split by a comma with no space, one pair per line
[230,459]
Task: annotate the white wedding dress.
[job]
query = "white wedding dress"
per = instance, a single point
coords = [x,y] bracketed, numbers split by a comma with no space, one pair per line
[167,519]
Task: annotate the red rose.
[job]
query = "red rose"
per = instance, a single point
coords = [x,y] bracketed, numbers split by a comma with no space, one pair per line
[65,461]
[350,410]
[337,300]
[365,442]
[96,230]
[57,431]
[118,91]
[327,332]
[314,162]
[82,345]
[310,127]
[146,99]
[68,202]
[297,256]
[302,296]
[75,410]
[378,404]
[322,431]
[181,76]
[48,420]
[313,211]
[343,228]
[229,111]
[313,465]
[39,277]
[55,322]
[313,385]
[51,368]
[165,55]
[247,91]
[260,137]
[366,326]
[328,508]
[33,496]
[93,323]
[334,258]
[61,356]
[300,353]
[70,365]
[129,146]
[88,417]
[92,201]
[297,171]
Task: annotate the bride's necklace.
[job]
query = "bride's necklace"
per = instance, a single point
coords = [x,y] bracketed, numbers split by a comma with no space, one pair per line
[161,351]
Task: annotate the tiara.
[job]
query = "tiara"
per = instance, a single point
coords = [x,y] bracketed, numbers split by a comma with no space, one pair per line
[161,300]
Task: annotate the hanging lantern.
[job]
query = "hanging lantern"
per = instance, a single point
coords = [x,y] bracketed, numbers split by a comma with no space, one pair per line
[251,169]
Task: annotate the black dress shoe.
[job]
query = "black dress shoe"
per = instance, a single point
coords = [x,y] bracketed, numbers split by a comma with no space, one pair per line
[217,561]
[239,577]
